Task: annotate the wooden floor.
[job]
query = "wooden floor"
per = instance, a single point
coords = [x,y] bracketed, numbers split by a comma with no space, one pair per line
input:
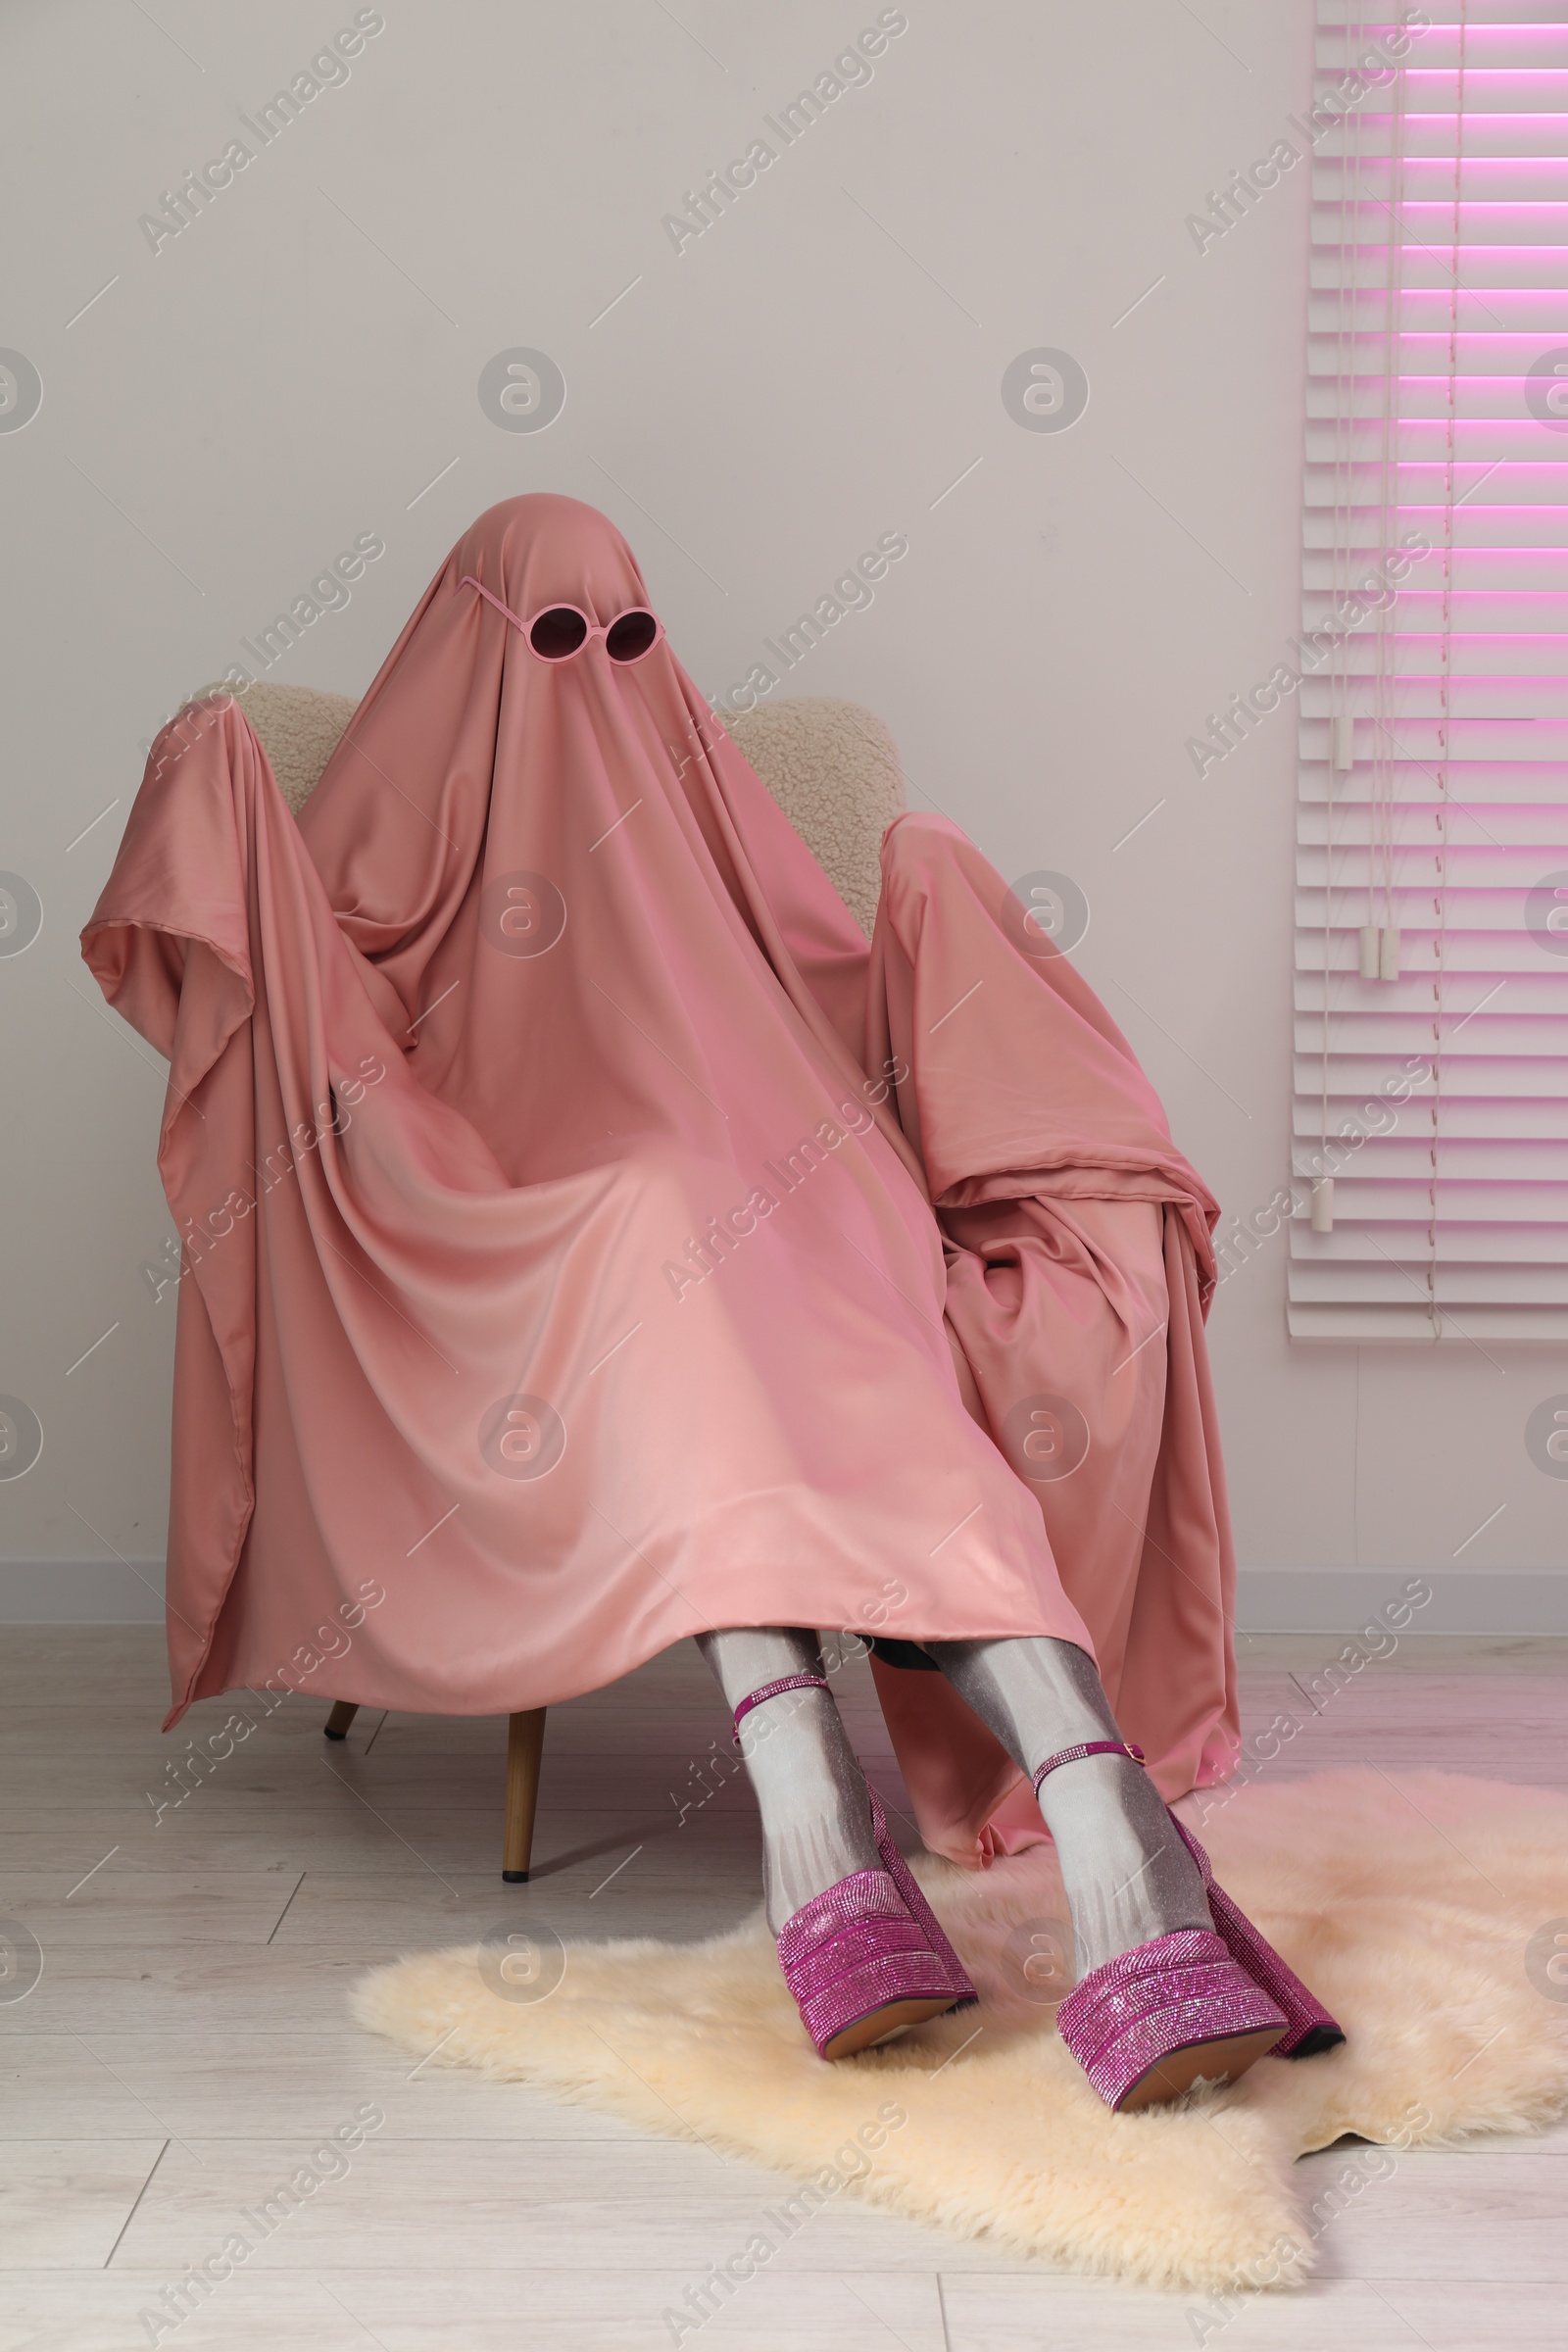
[187,2046]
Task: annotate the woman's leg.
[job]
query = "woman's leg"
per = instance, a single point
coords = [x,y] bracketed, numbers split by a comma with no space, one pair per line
[1127,1874]
[809,1788]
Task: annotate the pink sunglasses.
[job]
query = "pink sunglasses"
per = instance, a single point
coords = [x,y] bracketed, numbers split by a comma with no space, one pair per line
[561,630]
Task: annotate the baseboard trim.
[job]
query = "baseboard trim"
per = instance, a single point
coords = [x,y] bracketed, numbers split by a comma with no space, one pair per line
[1268,1600]
[1464,1600]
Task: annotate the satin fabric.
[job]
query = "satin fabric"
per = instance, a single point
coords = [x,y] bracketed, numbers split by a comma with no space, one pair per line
[552,1158]
[1080,1265]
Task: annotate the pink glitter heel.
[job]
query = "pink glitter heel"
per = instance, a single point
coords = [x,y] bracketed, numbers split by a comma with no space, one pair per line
[1187,2006]
[865,1959]
[1148,2025]
[1310,2030]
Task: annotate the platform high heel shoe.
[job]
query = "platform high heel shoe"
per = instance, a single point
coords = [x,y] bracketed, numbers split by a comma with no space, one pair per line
[1187,2006]
[1310,2028]
[865,1959]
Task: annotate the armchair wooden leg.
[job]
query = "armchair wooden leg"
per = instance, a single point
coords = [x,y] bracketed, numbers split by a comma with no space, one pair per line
[343,1713]
[526,1740]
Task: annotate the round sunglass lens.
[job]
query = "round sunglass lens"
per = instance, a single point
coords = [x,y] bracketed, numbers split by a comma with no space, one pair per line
[631,636]
[557,634]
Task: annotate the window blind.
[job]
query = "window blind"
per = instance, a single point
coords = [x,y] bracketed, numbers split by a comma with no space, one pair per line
[1431,1065]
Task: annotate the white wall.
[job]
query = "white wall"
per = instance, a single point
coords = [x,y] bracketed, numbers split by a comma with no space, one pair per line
[814,369]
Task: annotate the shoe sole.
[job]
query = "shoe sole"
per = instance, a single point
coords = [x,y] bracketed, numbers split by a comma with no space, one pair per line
[1222,2060]
[1315,2042]
[881,2025]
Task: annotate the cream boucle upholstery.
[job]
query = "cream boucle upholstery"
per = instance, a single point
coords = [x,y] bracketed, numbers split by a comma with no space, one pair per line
[832,767]
[299,727]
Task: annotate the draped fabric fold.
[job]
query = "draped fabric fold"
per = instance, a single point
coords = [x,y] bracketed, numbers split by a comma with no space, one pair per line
[554,1165]
[1079,1272]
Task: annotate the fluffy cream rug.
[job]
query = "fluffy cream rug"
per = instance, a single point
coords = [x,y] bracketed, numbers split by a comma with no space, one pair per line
[1421,1909]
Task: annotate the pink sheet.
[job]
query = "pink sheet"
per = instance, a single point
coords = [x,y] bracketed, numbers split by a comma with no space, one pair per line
[559,1261]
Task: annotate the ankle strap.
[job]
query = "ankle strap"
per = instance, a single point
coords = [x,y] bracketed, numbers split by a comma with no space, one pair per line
[1088,1747]
[789,1682]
